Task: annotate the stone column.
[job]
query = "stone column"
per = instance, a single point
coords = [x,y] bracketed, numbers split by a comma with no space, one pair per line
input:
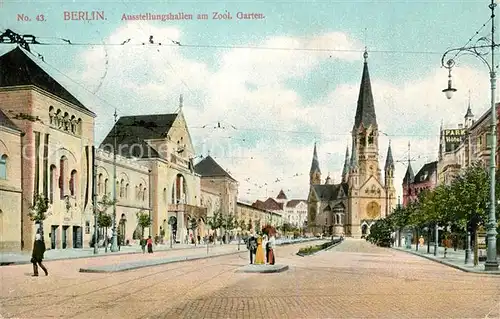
[175,191]
[181,188]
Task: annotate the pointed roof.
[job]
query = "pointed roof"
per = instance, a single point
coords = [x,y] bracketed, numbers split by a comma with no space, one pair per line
[365,111]
[208,167]
[315,161]
[136,130]
[389,160]
[409,176]
[281,195]
[19,69]
[426,172]
[469,113]
[345,170]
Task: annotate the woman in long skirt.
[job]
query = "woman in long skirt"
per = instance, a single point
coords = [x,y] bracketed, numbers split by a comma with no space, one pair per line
[270,253]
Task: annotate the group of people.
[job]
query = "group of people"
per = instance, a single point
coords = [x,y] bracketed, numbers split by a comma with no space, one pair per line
[147,242]
[256,247]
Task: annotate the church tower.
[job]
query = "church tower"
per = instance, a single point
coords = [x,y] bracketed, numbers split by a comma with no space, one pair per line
[390,190]
[365,130]
[315,172]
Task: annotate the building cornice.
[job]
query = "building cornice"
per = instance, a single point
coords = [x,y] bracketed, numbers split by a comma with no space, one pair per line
[49,95]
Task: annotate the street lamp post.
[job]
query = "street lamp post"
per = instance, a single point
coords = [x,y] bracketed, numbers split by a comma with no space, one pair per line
[477,50]
[114,241]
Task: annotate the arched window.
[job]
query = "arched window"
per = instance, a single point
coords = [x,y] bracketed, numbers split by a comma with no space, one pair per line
[122,188]
[51,114]
[99,184]
[370,138]
[3,166]
[144,195]
[106,187]
[165,195]
[72,183]
[73,124]
[126,191]
[179,190]
[53,173]
[139,192]
[62,176]
[66,121]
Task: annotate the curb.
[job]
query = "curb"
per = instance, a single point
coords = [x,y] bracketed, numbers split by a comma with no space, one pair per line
[27,261]
[316,252]
[180,259]
[264,270]
[442,262]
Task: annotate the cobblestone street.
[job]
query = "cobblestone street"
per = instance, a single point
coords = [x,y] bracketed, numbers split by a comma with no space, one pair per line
[352,280]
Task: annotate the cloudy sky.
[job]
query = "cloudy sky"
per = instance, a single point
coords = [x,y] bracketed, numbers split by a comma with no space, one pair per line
[276,85]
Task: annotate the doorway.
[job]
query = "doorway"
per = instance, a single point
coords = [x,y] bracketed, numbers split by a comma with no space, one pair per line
[53,236]
[64,237]
[77,237]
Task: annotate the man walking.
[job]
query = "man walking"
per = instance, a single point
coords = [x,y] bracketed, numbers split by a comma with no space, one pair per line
[37,255]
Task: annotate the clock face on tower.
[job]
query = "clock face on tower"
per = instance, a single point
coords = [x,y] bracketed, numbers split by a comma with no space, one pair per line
[373,210]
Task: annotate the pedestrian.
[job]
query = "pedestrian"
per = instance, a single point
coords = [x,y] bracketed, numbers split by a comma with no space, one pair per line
[252,247]
[270,250]
[150,245]
[265,245]
[143,245]
[37,255]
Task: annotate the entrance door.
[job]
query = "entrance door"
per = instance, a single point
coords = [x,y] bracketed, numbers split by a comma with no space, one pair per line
[77,237]
[53,236]
[64,237]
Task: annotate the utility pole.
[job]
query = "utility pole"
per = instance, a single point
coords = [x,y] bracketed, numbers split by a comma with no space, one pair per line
[114,240]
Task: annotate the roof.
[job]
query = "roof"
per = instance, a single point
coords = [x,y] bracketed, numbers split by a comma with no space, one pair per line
[409,175]
[389,160]
[281,195]
[365,111]
[294,202]
[425,173]
[208,167]
[6,122]
[133,131]
[268,204]
[328,192]
[315,161]
[19,69]
[345,169]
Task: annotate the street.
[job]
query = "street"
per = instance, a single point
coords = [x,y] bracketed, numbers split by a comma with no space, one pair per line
[352,280]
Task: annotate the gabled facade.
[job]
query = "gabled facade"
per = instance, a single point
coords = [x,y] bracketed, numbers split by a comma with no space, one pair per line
[362,197]
[426,179]
[160,143]
[56,144]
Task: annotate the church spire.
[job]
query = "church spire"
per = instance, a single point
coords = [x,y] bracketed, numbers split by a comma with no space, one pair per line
[389,161]
[365,111]
[315,172]
[345,170]
[315,162]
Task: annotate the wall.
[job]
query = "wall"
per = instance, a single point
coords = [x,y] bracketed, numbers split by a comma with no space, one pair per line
[72,209]
[10,191]
[132,194]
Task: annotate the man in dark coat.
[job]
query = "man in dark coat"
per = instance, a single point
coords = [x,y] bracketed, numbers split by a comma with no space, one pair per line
[252,247]
[37,256]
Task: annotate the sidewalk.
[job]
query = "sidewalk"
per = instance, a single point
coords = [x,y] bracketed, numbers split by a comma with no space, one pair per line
[18,258]
[455,259]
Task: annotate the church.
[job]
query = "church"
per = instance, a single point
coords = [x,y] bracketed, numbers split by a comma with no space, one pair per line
[352,206]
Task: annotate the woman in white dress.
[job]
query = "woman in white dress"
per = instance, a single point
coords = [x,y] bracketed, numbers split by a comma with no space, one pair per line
[270,254]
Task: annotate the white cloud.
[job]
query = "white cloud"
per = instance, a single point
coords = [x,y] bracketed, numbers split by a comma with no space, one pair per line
[249,91]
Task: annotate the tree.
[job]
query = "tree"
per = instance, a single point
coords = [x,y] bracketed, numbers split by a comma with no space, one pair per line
[215,222]
[257,226]
[38,211]
[143,220]
[104,221]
